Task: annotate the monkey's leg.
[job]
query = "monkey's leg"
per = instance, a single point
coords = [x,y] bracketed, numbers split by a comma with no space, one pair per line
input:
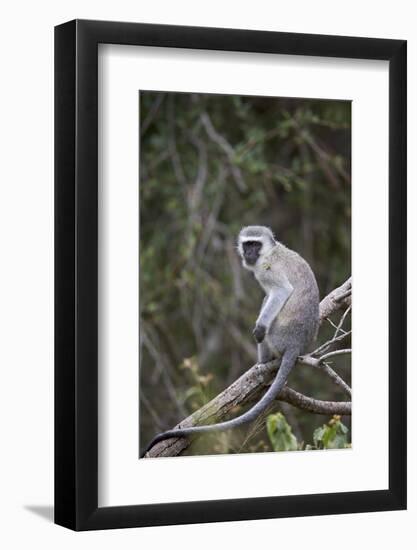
[264,353]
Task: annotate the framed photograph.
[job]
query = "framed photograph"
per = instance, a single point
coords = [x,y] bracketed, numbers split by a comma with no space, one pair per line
[230,275]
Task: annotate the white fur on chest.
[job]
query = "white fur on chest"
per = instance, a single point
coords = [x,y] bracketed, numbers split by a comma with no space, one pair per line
[265,275]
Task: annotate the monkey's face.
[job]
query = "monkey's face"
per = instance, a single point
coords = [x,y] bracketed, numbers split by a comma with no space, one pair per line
[254,242]
[251,252]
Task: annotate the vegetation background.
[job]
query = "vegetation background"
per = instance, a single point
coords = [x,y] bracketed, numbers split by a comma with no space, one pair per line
[210,164]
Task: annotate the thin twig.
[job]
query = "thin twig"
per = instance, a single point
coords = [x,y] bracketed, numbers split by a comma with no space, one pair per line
[323,366]
[153,111]
[330,343]
[331,323]
[342,320]
[226,148]
[334,353]
[337,379]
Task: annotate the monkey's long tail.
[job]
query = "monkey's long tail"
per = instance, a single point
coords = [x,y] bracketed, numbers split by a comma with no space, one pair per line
[288,361]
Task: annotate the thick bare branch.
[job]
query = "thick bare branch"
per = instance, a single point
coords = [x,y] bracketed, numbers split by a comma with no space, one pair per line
[338,298]
[242,392]
[250,386]
[315,405]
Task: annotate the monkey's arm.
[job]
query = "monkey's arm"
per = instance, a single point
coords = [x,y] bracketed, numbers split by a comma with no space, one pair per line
[271,307]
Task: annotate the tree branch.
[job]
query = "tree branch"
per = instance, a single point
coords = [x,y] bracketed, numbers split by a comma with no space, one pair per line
[336,378]
[225,146]
[316,406]
[320,363]
[252,384]
[338,298]
[334,353]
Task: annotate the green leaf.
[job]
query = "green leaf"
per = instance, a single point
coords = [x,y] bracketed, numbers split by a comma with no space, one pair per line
[332,435]
[280,433]
[318,436]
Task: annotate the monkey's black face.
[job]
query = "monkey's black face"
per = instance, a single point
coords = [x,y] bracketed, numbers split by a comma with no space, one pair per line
[251,251]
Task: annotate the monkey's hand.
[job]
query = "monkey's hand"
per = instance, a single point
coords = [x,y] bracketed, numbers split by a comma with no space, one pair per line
[259,333]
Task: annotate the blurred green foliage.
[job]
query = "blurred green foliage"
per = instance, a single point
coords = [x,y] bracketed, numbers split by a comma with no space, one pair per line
[280,433]
[333,435]
[210,164]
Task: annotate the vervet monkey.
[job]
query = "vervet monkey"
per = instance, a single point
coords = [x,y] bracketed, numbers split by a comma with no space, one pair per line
[286,325]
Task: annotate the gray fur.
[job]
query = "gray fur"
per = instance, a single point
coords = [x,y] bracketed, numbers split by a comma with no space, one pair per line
[286,325]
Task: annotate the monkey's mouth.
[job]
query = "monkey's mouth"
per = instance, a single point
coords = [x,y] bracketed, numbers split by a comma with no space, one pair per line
[251,259]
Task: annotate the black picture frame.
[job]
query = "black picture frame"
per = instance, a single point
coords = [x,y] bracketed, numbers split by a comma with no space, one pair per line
[76,271]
